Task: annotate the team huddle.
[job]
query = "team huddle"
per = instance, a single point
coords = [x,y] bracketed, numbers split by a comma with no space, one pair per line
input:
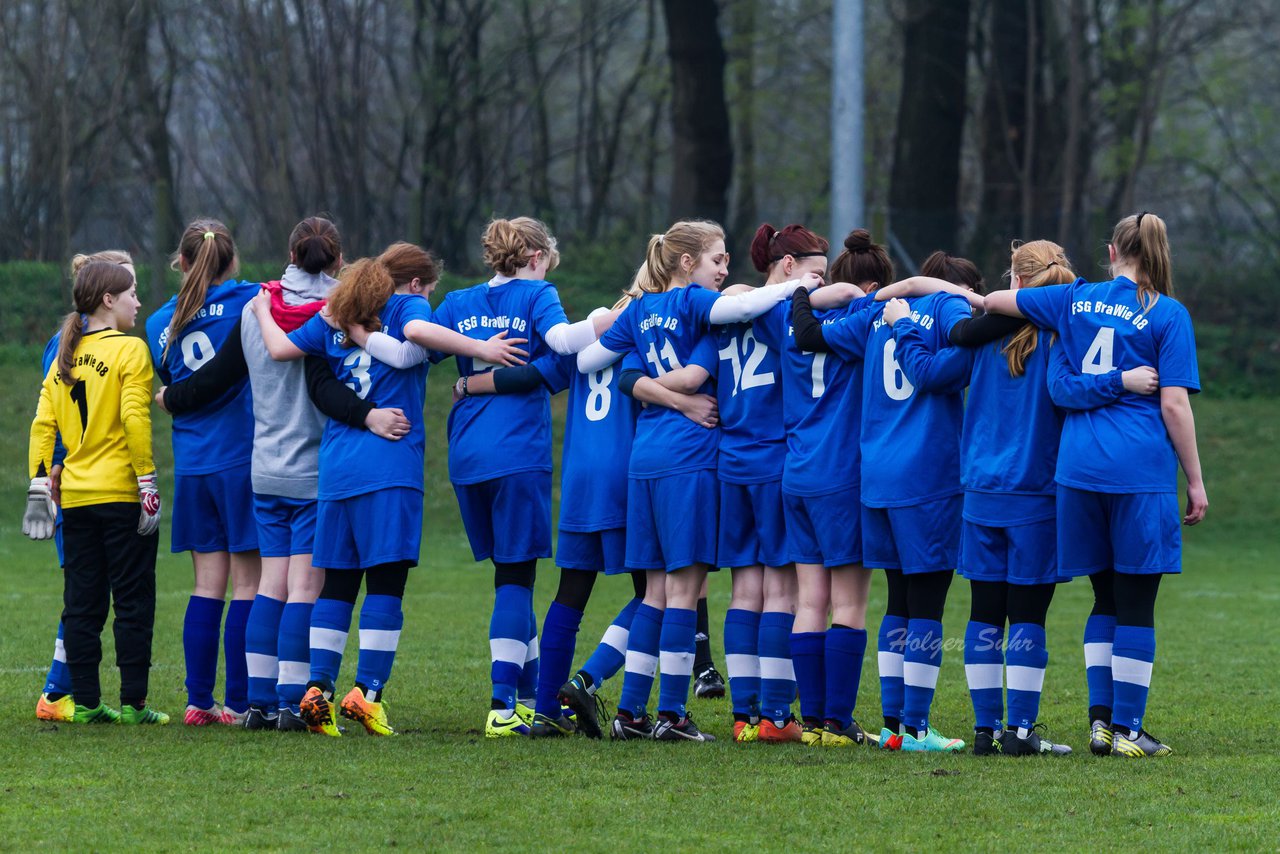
[799,433]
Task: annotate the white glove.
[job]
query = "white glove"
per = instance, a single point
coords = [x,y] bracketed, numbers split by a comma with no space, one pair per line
[37,521]
[149,497]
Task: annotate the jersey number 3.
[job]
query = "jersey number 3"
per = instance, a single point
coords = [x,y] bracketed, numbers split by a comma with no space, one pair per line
[357,362]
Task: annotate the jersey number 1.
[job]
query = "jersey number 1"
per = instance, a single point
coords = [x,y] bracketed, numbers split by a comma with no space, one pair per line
[81,398]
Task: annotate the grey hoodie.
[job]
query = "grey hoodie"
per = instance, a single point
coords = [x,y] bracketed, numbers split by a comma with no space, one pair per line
[287,426]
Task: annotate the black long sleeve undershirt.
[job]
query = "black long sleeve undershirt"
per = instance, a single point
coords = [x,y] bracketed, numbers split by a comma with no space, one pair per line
[983,329]
[627,381]
[332,397]
[516,380]
[807,329]
[212,380]
[228,366]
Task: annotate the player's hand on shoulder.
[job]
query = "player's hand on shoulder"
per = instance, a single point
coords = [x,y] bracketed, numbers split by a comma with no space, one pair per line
[38,519]
[149,499]
[895,310]
[160,398]
[1141,380]
[809,281]
[388,423]
[328,318]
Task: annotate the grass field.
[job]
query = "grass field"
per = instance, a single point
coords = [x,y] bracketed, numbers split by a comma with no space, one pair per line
[442,785]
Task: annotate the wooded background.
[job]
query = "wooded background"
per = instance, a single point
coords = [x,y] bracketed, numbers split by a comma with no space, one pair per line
[986,120]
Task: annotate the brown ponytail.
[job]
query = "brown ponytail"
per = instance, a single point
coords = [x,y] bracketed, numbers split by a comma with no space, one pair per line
[363,289]
[314,245]
[953,269]
[1143,239]
[510,243]
[210,254]
[94,279]
[1036,264]
[862,262]
[406,262]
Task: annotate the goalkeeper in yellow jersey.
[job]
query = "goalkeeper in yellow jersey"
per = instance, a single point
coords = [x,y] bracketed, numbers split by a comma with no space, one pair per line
[97,394]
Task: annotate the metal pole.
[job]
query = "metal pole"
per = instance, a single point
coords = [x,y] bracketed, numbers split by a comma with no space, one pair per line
[848,210]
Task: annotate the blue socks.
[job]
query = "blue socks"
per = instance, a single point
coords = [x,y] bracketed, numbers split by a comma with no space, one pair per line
[527,687]
[641,660]
[611,653]
[1027,658]
[200,629]
[509,641]
[59,679]
[741,658]
[261,643]
[845,649]
[777,676]
[233,645]
[891,644]
[808,655]
[330,623]
[676,645]
[984,671]
[559,638]
[1132,657]
[1099,635]
[920,665]
[381,618]
[294,652]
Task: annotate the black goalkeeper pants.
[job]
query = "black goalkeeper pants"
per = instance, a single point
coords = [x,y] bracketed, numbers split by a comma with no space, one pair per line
[106,560]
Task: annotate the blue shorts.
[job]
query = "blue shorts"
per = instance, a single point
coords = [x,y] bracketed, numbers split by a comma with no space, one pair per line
[286,526]
[753,527]
[368,530]
[825,529]
[593,551]
[214,512]
[508,519]
[672,520]
[1017,554]
[919,538]
[1139,533]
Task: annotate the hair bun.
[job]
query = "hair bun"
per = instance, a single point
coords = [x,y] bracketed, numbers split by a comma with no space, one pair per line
[859,240]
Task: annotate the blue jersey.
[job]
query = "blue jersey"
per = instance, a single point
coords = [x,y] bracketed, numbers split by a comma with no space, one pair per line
[219,435]
[599,426]
[910,437]
[46,362]
[753,441]
[494,435]
[1010,438]
[822,406]
[665,332]
[1123,446]
[355,461]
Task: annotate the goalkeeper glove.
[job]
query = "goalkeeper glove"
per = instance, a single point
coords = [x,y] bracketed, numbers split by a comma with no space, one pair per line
[149,497]
[37,521]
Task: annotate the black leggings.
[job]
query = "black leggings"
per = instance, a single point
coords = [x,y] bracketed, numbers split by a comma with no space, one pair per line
[385,579]
[995,601]
[921,596]
[576,586]
[1131,599]
[522,573]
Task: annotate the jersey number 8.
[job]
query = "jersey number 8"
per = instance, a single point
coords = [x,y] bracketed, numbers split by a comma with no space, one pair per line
[598,397]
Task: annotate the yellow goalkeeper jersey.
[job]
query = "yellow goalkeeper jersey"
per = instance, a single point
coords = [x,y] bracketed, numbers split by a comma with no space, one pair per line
[104,418]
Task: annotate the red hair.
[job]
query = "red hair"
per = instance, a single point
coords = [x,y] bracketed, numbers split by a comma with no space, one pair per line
[770,245]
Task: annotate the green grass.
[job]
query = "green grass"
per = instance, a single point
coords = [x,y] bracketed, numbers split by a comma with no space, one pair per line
[442,785]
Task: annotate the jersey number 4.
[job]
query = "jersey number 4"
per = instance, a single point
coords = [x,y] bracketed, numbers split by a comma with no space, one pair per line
[1099,359]
[81,398]
[746,367]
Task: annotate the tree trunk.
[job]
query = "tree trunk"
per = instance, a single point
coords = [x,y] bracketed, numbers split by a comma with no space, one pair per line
[925,183]
[702,151]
